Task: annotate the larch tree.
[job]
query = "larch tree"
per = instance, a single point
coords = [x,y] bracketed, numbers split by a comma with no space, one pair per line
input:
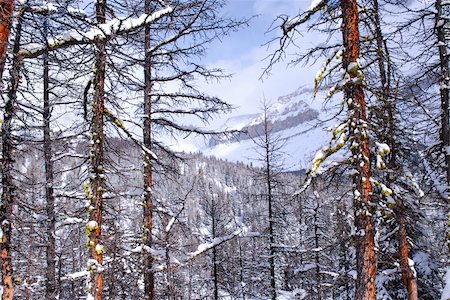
[357,127]
[149,279]
[97,180]
[51,289]
[269,149]
[444,82]
[388,130]
[7,162]
[353,132]
[366,264]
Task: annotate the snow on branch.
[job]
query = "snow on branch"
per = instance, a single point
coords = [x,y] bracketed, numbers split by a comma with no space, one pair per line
[120,124]
[115,27]
[289,24]
[338,141]
[202,248]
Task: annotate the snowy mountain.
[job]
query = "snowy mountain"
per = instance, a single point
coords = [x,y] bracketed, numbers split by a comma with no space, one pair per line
[291,118]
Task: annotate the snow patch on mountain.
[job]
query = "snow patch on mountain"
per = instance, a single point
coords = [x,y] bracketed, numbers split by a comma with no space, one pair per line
[296,124]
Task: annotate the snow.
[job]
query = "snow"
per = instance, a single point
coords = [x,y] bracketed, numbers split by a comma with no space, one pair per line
[71,220]
[92,225]
[239,122]
[76,275]
[169,226]
[102,31]
[411,266]
[46,7]
[314,4]
[99,248]
[352,67]
[245,151]
[76,11]
[318,159]
[291,295]
[216,241]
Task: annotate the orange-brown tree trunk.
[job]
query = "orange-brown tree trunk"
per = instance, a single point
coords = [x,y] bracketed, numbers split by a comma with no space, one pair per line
[389,107]
[365,245]
[6,17]
[409,276]
[149,280]
[97,180]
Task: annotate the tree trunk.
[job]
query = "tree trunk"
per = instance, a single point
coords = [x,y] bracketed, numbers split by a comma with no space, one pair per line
[97,181]
[408,275]
[389,134]
[6,17]
[149,280]
[316,254]
[214,250]
[50,287]
[7,160]
[444,89]
[365,245]
[268,167]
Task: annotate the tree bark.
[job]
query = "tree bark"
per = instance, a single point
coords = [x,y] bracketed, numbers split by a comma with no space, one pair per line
[444,92]
[214,250]
[365,245]
[97,181]
[149,280]
[50,287]
[409,278]
[7,161]
[6,17]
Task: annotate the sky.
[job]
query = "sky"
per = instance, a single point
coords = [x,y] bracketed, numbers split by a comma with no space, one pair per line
[242,55]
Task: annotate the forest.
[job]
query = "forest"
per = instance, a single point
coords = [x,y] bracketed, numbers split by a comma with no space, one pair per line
[95,204]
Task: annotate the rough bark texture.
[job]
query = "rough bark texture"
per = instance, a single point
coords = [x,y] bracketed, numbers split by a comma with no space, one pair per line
[8,197]
[409,278]
[6,17]
[365,246]
[444,88]
[97,181]
[149,280]
[50,286]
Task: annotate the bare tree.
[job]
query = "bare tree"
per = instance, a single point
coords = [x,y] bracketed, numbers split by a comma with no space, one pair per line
[7,161]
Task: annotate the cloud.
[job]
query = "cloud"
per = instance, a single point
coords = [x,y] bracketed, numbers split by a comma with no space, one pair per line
[246,90]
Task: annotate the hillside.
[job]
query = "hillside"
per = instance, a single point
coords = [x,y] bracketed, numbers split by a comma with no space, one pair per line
[300,126]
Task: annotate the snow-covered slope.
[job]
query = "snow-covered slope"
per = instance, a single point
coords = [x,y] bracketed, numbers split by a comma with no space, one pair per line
[291,118]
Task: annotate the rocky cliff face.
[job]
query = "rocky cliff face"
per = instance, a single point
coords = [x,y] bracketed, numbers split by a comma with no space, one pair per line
[287,112]
[291,119]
